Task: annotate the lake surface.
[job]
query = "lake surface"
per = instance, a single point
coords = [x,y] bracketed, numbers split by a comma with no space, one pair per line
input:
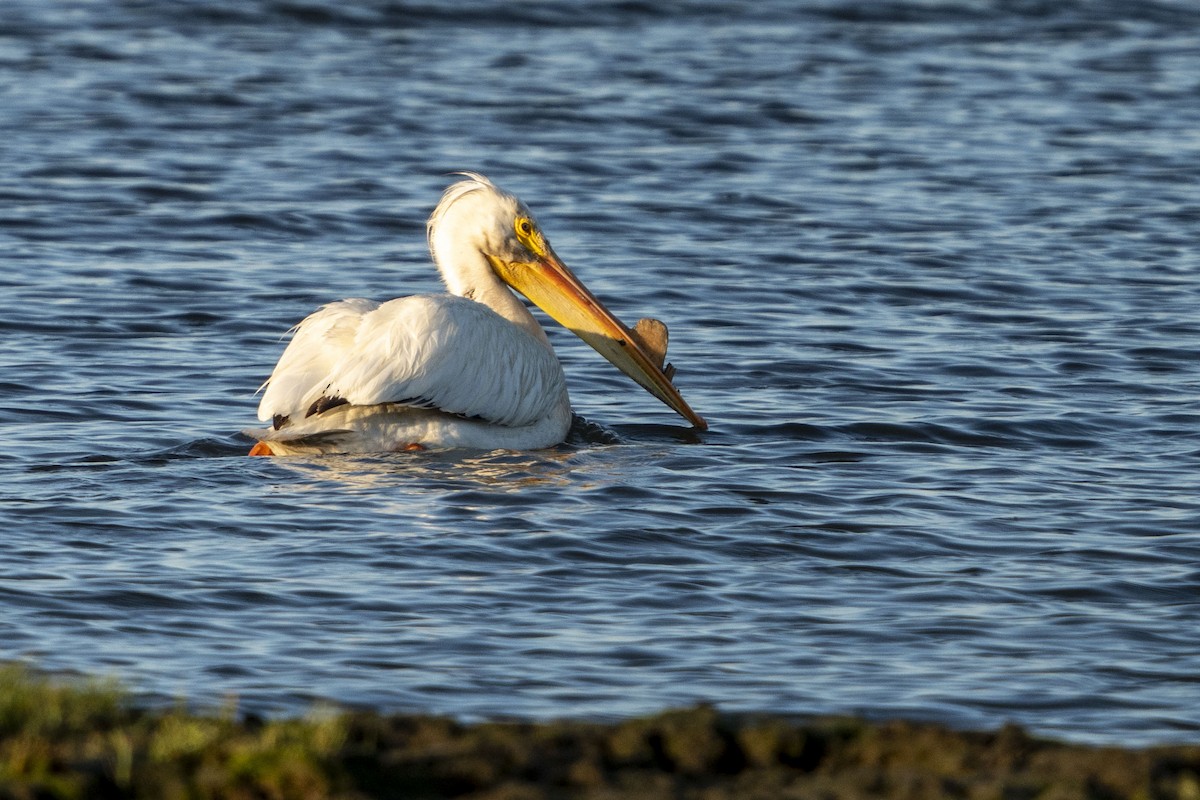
[932,272]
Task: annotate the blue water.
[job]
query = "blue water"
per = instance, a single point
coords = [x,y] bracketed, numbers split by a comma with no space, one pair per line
[932,272]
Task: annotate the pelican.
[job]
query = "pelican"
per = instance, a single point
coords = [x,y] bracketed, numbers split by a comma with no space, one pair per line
[471,368]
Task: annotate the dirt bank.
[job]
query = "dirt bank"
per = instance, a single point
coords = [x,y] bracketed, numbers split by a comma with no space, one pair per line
[88,742]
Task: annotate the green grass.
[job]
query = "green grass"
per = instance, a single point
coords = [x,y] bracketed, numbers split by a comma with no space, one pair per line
[85,739]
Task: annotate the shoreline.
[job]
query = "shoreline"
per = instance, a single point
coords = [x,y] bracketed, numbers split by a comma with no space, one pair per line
[86,739]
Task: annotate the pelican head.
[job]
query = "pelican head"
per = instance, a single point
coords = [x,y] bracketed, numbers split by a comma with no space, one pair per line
[479,227]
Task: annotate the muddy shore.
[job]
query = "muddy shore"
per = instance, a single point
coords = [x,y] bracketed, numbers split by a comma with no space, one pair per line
[87,741]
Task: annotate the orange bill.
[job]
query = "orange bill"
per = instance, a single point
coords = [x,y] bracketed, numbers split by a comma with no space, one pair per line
[548,283]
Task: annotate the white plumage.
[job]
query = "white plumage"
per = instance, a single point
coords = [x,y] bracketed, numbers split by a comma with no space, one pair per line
[467,369]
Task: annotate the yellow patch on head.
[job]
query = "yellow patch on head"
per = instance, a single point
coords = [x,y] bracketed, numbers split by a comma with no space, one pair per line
[529,235]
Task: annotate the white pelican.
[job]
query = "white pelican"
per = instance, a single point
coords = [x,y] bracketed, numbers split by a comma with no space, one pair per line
[471,368]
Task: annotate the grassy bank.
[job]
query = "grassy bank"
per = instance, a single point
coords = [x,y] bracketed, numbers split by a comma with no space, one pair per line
[87,741]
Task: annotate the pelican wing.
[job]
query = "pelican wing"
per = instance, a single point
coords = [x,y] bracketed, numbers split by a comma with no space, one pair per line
[429,351]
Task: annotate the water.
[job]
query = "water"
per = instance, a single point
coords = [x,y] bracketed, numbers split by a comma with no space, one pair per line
[932,276]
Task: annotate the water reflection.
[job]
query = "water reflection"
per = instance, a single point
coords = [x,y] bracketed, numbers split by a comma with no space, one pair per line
[499,471]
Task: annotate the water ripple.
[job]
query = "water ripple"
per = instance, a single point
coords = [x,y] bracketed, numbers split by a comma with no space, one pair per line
[929,272]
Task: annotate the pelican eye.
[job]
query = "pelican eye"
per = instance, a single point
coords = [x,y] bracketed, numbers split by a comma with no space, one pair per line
[528,235]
